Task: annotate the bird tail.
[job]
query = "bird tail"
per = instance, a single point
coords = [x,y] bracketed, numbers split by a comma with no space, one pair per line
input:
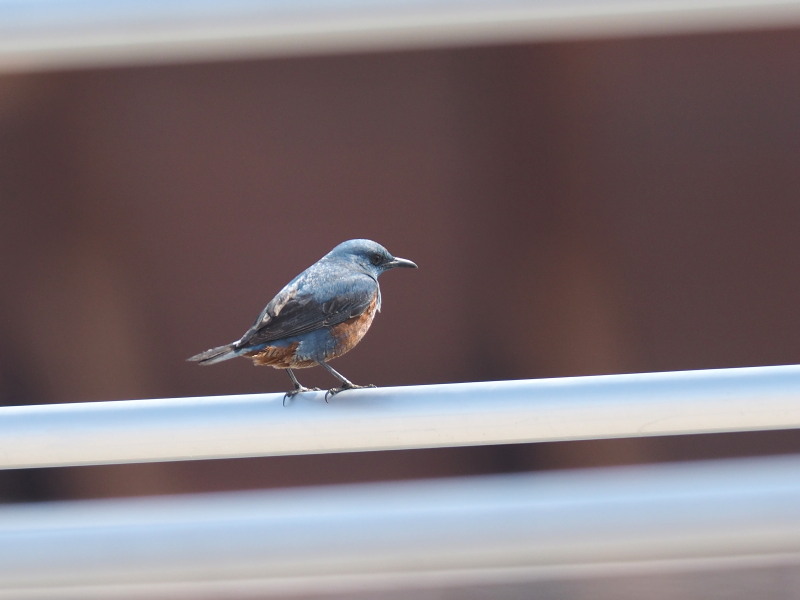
[215,355]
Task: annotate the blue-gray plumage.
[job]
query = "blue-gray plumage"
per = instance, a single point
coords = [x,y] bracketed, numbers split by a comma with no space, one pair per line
[319,315]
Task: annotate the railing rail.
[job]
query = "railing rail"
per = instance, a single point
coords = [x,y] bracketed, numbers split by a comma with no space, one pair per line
[505,412]
[452,532]
[355,539]
[47,34]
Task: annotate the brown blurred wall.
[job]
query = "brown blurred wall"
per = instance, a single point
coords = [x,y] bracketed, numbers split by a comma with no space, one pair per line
[575,208]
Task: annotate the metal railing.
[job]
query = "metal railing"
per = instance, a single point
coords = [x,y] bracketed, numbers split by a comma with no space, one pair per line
[47,34]
[463,414]
[348,539]
[353,538]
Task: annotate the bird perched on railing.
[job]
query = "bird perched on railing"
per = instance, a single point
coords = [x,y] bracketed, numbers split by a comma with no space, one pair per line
[318,316]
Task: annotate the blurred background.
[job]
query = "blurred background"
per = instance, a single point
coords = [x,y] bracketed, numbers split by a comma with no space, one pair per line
[576,204]
[584,192]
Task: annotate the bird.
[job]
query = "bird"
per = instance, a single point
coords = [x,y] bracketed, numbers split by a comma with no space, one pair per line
[319,315]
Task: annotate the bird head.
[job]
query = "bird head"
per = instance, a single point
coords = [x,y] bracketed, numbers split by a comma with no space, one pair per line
[368,256]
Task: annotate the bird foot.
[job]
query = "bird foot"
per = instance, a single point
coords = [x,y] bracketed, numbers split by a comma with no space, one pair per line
[298,390]
[333,391]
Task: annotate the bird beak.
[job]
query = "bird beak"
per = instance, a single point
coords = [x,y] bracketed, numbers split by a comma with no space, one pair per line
[400,262]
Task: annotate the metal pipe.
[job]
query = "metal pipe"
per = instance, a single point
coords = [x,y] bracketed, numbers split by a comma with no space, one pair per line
[48,34]
[399,535]
[503,412]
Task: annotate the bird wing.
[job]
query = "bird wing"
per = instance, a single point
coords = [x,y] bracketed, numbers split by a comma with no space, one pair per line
[310,302]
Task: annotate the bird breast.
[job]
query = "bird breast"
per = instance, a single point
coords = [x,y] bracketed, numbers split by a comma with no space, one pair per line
[350,332]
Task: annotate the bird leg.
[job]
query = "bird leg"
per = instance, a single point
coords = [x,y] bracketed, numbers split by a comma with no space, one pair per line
[346,383]
[297,387]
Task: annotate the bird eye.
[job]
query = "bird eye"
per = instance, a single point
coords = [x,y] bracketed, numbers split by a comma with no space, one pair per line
[376,259]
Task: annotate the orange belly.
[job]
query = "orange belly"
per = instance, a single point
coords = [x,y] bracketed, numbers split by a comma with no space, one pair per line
[349,333]
[280,357]
[345,336]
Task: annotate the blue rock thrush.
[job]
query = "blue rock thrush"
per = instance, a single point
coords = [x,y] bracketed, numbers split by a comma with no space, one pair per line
[318,316]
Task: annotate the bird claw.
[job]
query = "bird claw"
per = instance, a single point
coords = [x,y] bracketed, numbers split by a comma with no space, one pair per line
[333,391]
[298,390]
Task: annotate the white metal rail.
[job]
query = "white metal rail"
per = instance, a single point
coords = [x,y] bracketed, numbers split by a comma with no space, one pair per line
[344,539]
[462,414]
[46,34]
